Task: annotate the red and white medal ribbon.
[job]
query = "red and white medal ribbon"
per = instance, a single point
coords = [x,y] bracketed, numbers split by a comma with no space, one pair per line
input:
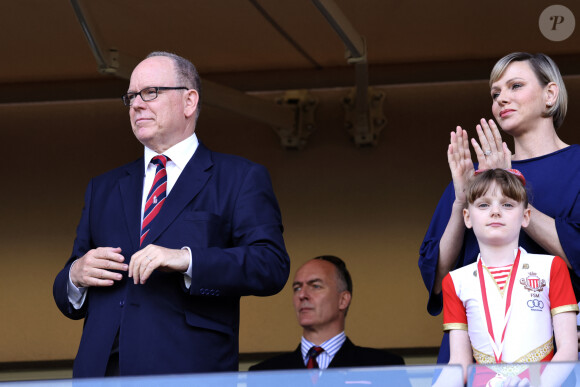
[497,349]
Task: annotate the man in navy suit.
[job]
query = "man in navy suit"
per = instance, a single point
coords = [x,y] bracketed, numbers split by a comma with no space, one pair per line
[170,303]
[322,294]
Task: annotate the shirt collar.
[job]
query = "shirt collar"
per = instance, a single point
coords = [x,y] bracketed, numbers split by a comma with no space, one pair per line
[523,252]
[179,153]
[330,346]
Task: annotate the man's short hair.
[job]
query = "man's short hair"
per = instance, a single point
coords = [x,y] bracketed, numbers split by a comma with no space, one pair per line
[185,72]
[344,279]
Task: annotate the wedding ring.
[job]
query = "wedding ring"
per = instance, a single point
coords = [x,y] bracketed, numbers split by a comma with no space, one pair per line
[487,153]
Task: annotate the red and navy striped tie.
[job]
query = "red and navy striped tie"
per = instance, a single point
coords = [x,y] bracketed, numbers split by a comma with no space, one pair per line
[156,196]
[313,353]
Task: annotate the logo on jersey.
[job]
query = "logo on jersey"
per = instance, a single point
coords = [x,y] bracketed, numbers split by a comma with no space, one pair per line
[536,305]
[533,283]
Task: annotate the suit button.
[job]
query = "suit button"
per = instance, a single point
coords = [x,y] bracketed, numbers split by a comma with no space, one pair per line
[201,291]
[217,292]
[212,292]
[122,303]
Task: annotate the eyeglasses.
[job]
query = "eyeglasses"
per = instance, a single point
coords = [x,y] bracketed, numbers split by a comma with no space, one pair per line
[148,94]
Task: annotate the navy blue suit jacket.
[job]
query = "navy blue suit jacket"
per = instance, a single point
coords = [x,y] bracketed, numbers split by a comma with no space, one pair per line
[223,208]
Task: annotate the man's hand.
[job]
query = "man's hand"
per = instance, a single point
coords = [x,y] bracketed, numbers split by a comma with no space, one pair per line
[95,268]
[153,257]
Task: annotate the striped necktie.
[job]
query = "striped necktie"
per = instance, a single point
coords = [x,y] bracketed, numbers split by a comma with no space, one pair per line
[313,353]
[156,195]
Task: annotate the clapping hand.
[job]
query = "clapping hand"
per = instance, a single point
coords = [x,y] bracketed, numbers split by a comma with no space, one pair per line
[493,152]
[460,163]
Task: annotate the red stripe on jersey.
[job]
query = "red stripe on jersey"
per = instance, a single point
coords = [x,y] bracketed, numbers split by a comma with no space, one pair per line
[500,274]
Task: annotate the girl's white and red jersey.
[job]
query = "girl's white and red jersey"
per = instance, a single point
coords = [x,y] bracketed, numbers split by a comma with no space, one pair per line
[541,289]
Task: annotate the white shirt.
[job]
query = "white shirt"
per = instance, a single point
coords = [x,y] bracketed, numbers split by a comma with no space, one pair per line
[179,156]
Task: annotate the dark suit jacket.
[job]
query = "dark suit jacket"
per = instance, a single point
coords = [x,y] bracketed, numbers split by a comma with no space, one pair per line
[223,208]
[349,355]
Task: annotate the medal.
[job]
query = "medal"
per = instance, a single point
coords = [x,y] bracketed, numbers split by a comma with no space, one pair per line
[497,349]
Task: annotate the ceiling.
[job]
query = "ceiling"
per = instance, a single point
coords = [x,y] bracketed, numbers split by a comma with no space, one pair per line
[268,44]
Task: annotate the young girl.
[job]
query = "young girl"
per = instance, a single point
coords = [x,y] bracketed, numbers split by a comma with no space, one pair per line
[508,306]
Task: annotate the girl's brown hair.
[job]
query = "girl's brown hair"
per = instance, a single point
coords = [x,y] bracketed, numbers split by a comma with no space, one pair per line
[509,184]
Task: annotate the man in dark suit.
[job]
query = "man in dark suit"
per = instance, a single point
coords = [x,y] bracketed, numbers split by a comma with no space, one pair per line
[162,295]
[322,295]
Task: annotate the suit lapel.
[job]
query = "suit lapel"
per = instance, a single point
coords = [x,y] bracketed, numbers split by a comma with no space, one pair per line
[191,181]
[131,188]
[342,357]
[297,359]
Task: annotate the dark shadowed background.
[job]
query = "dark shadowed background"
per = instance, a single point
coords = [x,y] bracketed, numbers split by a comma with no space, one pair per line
[63,122]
